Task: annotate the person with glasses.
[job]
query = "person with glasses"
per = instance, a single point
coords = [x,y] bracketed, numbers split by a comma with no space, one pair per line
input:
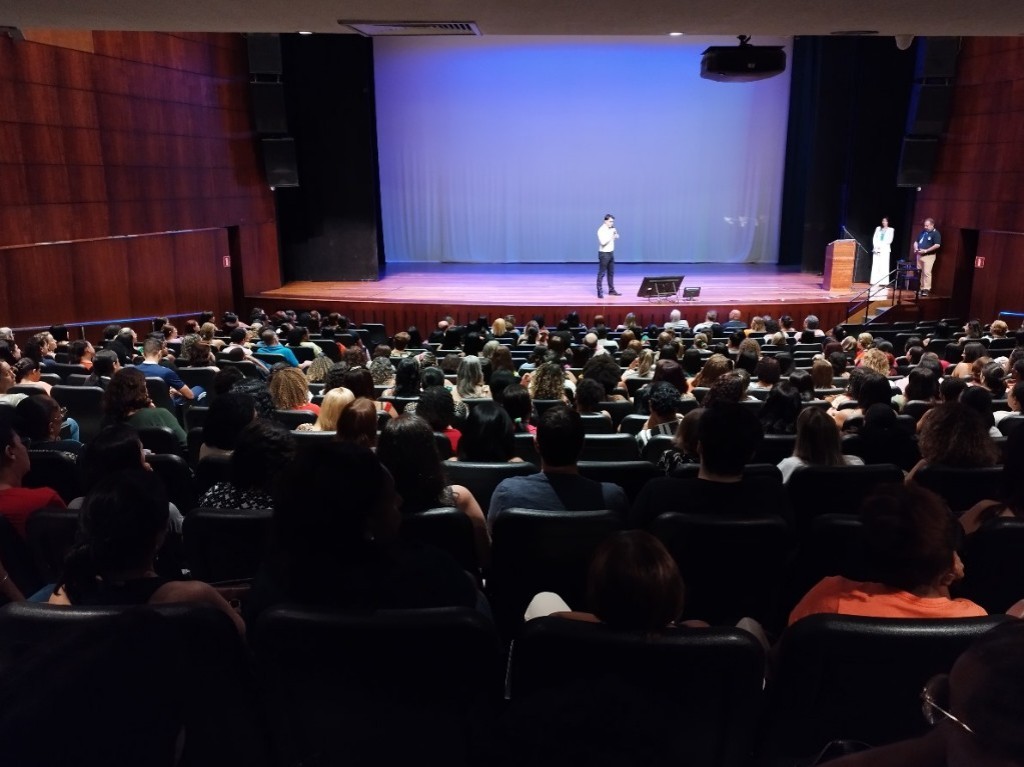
[977,711]
[40,419]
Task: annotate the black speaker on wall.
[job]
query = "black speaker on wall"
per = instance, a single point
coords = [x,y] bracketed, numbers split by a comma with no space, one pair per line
[268,109]
[929,109]
[936,57]
[917,161]
[264,53]
[279,162]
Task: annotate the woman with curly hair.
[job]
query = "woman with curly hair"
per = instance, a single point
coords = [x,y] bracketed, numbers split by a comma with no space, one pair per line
[877,360]
[290,390]
[317,370]
[953,434]
[407,449]
[126,400]
[548,382]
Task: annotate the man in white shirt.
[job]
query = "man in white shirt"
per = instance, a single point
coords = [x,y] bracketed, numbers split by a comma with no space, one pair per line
[676,322]
[607,234]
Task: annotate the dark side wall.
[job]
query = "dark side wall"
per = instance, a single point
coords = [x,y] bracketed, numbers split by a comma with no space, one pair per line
[330,224]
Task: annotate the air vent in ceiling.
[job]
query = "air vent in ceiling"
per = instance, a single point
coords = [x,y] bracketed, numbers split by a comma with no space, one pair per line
[406,28]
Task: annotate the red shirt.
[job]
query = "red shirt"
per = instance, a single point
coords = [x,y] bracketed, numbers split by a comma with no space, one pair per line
[18,503]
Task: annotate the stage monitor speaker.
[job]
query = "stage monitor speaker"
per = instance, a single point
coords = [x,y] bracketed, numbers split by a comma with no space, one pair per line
[659,287]
[917,160]
[936,57]
[264,53]
[279,162]
[929,109]
[268,108]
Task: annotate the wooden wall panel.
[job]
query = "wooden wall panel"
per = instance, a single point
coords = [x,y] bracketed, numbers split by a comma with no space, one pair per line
[126,157]
[979,173]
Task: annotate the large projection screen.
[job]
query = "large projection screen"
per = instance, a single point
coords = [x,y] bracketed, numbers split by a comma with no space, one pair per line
[512,149]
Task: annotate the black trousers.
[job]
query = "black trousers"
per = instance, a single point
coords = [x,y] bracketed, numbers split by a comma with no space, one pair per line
[606,265]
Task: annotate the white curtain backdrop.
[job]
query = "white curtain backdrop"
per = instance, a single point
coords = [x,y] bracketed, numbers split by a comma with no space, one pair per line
[512,149]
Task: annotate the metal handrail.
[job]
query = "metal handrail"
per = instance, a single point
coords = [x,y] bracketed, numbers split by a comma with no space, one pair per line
[903,271]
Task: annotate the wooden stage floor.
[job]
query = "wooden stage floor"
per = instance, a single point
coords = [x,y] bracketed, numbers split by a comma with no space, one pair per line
[420,294]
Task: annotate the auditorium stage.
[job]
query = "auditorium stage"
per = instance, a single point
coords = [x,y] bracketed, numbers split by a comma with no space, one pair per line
[420,294]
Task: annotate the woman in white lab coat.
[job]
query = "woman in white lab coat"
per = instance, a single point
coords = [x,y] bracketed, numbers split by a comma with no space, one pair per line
[881,248]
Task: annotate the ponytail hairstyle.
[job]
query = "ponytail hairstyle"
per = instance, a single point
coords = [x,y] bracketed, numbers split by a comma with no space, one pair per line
[120,528]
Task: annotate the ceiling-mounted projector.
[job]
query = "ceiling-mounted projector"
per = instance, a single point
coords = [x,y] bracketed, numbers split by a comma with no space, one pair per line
[743,63]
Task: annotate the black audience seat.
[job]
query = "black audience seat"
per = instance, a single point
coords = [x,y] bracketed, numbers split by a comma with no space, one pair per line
[210,471]
[732,564]
[51,534]
[610,447]
[481,478]
[993,558]
[226,544]
[448,529]
[596,423]
[161,440]
[221,717]
[815,490]
[683,696]
[394,686]
[291,419]
[160,393]
[203,377]
[85,405]
[655,447]
[631,476]
[844,677]
[534,550]
[960,488]
[179,482]
[56,470]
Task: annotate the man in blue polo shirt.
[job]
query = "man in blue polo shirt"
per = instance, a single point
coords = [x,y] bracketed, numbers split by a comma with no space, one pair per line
[270,344]
[153,351]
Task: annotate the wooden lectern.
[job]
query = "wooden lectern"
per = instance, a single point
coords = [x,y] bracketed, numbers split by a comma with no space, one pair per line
[839,258]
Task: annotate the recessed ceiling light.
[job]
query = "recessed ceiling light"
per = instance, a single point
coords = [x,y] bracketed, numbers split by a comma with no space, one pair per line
[304,32]
[675,34]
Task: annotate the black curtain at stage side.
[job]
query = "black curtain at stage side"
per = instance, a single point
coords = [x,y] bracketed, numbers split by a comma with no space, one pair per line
[847,112]
[329,226]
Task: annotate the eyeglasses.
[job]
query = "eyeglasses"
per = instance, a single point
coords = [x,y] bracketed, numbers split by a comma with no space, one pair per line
[935,702]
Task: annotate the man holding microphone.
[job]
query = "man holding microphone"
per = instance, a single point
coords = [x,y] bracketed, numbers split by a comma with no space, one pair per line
[607,234]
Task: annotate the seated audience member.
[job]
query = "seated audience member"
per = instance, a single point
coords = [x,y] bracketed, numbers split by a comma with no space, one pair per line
[993,378]
[518,404]
[290,391]
[1010,494]
[300,337]
[357,423]
[730,387]
[333,405]
[229,414]
[317,370]
[81,353]
[547,382]
[714,368]
[663,402]
[345,551]
[727,436]
[870,388]
[922,386]
[910,540]
[104,365]
[606,371]
[980,401]
[8,380]
[641,367]
[270,344]
[470,379]
[196,352]
[633,584]
[437,407]
[407,379]
[766,374]
[973,351]
[262,451]
[16,502]
[126,400]
[781,410]
[153,352]
[664,370]
[1014,398]
[27,372]
[976,711]
[952,434]
[407,450]
[123,344]
[384,374]
[817,444]
[488,436]
[951,388]
[801,381]
[558,486]
[39,421]
[883,440]
[684,444]
[121,528]
[359,381]
[589,396]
